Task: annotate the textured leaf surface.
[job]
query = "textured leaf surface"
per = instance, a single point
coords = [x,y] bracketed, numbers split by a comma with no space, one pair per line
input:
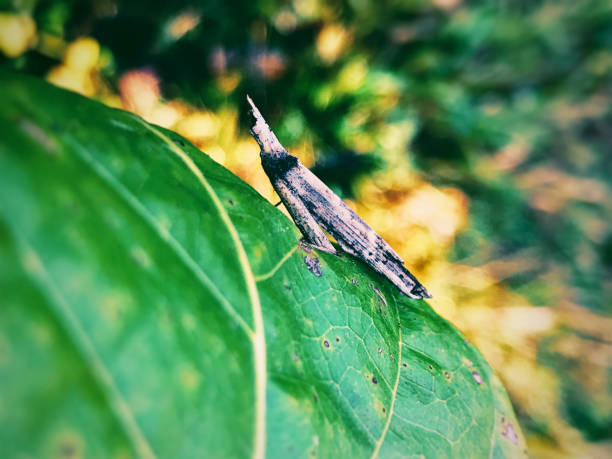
[155,305]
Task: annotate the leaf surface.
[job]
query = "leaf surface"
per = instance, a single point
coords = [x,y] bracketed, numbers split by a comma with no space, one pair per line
[154,305]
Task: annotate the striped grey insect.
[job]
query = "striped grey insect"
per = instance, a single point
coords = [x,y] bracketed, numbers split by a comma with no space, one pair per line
[314,208]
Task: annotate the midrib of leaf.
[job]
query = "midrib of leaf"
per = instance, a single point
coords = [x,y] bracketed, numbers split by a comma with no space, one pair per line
[393,398]
[258,338]
[35,268]
[255,335]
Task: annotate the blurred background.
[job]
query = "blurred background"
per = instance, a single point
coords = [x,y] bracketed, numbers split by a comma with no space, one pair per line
[474,136]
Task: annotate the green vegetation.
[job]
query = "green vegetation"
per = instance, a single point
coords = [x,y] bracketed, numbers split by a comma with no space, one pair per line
[139,275]
[475,136]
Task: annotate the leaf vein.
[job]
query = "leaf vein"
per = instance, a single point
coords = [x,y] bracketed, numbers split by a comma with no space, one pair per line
[393,399]
[98,369]
[258,336]
[167,238]
[276,267]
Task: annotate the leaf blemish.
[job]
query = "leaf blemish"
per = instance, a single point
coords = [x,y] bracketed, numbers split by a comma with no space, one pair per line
[141,257]
[313,265]
[296,357]
[447,375]
[477,377]
[354,281]
[431,367]
[326,343]
[337,339]
[179,142]
[380,295]
[509,433]
[374,380]
[305,246]
[230,202]
[70,444]
[39,136]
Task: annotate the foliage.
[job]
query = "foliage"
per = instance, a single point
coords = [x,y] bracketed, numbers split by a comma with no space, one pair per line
[484,129]
[139,275]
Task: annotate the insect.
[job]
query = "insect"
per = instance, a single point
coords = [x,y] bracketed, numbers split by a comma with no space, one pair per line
[314,208]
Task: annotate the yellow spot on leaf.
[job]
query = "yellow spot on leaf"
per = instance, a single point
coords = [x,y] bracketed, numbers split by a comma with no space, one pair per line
[114,305]
[31,262]
[141,257]
[41,333]
[189,377]
[188,321]
[68,444]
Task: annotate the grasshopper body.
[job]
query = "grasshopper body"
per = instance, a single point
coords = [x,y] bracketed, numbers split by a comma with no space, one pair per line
[314,208]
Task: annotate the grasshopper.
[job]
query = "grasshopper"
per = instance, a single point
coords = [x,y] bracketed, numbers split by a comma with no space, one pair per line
[314,208]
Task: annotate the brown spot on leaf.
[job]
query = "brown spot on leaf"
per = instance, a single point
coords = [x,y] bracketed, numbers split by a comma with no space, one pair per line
[477,377]
[69,445]
[337,339]
[230,202]
[326,343]
[354,281]
[313,265]
[67,450]
[305,246]
[374,380]
[179,142]
[509,433]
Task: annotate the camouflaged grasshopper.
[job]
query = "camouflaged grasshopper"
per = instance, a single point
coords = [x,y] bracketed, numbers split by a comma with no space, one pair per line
[313,206]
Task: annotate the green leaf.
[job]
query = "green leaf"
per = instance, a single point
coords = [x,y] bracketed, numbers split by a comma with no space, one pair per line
[155,305]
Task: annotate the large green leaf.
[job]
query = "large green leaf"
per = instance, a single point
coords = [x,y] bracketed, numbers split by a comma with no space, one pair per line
[155,305]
